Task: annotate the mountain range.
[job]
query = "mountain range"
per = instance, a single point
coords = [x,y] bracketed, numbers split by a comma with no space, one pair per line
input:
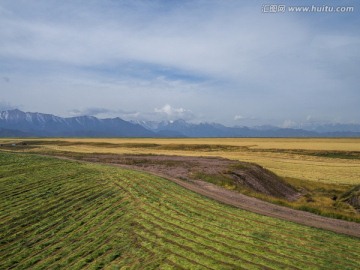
[48,125]
[16,123]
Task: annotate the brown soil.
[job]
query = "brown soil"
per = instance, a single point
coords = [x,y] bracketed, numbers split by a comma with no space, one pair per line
[181,169]
[241,175]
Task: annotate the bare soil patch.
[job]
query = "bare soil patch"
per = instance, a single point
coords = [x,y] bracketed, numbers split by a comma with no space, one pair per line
[236,174]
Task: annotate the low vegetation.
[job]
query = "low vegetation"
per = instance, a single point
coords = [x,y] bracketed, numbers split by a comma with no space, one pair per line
[322,170]
[323,199]
[64,214]
[319,160]
[352,197]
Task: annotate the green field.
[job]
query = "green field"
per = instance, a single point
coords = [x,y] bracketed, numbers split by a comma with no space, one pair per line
[330,160]
[58,214]
[325,170]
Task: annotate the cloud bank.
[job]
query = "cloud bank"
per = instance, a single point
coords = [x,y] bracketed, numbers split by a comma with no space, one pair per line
[214,58]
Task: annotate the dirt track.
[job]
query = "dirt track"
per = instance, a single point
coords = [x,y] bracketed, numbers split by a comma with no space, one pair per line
[272,210]
[239,175]
[244,202]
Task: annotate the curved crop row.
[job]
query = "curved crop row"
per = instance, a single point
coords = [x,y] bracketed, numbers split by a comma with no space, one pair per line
[57,214]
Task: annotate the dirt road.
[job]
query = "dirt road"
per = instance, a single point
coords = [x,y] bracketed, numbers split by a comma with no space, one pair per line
[268,209]
[237,199]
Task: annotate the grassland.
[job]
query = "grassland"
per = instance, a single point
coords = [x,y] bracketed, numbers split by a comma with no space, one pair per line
[319,160]
[324,169]
[61,214]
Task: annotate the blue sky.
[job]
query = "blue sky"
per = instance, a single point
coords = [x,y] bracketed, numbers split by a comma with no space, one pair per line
[214,61]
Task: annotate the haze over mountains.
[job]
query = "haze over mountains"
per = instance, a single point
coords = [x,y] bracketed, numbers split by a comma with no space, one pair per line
[15,123]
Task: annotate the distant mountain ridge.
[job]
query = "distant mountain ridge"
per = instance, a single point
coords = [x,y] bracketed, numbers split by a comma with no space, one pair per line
[218,130]
[16,123]
[48,125]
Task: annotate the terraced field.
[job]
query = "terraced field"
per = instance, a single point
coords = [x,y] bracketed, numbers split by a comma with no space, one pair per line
[58,214]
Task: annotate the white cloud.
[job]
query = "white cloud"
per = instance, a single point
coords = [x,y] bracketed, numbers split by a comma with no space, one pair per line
[220,41]
[167,109]
[171,113]
[239,117]
[139,54]
[289,124]
[104,112]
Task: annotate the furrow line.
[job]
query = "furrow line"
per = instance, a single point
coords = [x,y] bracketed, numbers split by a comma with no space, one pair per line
[103,226]
[185,260]
[185,202]
[215,254]
[185,251]
[54,233]
[233,247]
[58,209]
[180,197]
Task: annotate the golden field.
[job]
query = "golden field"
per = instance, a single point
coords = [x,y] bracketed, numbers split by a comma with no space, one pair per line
[321,160]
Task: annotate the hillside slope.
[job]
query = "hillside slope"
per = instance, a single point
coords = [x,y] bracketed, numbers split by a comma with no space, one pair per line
[57,214]
[48,125]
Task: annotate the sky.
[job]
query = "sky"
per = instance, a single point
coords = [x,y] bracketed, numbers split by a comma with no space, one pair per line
[225,61]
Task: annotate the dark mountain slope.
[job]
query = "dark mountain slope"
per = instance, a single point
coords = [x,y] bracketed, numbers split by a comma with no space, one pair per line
[47,125]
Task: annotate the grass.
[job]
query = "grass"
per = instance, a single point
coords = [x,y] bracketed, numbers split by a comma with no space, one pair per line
[321,198]
[58,214]
[319,160]
[322,168]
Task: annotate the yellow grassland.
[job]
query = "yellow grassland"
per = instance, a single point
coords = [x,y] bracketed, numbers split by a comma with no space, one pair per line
[259,150]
